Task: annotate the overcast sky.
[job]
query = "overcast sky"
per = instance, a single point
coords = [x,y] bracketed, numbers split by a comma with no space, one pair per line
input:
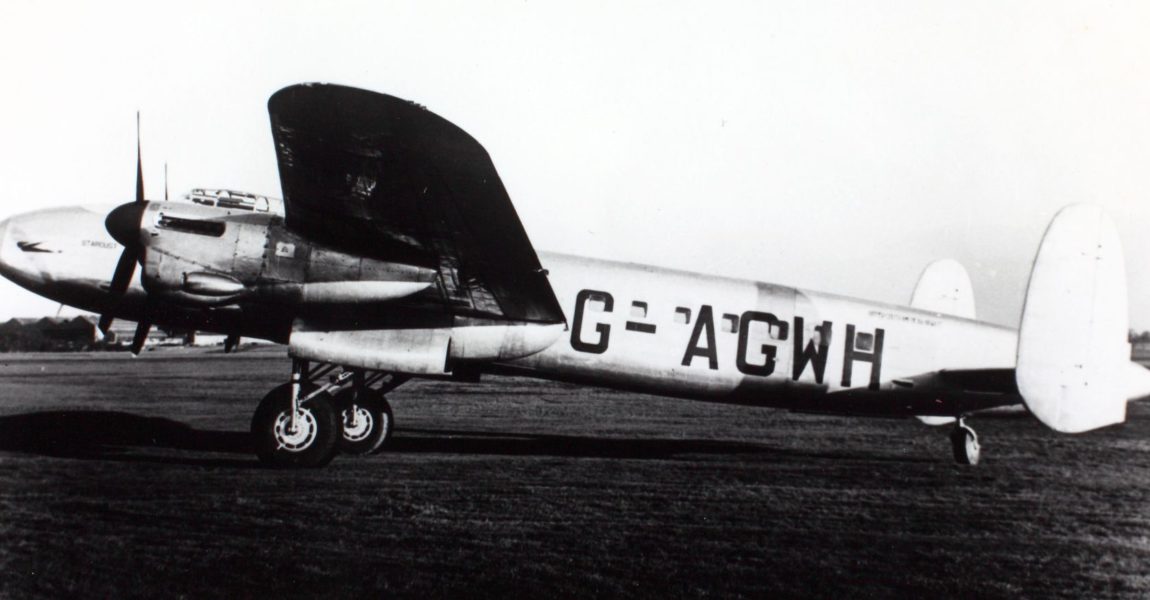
[831,146]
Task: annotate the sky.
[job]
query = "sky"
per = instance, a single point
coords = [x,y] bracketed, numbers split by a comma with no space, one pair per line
[834,146]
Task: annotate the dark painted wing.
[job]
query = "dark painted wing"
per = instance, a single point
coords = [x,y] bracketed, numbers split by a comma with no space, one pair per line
[378,176]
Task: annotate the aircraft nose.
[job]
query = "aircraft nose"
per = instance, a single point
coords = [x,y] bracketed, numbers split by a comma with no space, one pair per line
[4,236]
[5,242]
[123,223]
[14,262]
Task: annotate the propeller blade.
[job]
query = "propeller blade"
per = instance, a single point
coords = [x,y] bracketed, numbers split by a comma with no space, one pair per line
[143,327]
[105,323]
[139,163]
[123,223]
[165,182]
[121,279]
[125,269]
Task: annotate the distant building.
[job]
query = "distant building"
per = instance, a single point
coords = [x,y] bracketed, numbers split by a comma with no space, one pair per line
[79,333]
[1140,351]
[48,335]
[121,332]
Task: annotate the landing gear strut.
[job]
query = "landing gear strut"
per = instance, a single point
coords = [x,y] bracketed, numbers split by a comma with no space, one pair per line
[964,443]
[302,424]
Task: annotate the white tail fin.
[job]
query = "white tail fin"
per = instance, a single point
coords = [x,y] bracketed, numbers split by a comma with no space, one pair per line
[1073,355]
[944,287]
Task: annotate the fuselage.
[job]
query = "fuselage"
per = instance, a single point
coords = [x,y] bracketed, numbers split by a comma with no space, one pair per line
[629,326]
[687,334]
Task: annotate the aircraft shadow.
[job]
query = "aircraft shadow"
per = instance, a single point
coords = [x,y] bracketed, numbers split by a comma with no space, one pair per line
[111,435]
[416,441]
[120,436]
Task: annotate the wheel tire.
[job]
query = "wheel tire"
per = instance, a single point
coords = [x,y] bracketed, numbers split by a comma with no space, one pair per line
[313,445]
[372,424]
[964,443]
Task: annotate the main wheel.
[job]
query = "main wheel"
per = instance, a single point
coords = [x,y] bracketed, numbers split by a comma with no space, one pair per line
[366,421]
[313,441]
[964,442]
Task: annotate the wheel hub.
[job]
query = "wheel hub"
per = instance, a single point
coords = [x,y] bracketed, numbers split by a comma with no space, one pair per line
[303,435]
[357,424]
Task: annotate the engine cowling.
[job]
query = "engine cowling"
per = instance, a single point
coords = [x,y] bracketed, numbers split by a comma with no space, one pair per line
[423,350]
[207,256]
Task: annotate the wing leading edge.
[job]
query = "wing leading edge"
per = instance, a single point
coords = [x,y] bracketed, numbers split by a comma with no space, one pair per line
[382,177]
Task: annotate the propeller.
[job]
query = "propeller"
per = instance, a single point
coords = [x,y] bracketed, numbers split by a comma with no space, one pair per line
[142,328]
[231,343]
[123,223]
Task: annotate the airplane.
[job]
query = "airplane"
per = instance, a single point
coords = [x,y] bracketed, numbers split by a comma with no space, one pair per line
[396,253]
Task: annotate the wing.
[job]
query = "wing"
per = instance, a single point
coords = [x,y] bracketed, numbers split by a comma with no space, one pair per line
[377,176]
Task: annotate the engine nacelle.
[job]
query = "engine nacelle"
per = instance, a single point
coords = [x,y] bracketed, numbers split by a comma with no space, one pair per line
[208,256]
[422,351]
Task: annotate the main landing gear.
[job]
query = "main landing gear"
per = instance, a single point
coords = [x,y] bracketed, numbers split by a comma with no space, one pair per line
[303,424]
[964,443]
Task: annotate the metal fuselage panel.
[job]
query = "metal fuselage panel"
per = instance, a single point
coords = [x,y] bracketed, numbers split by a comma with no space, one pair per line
[713,338]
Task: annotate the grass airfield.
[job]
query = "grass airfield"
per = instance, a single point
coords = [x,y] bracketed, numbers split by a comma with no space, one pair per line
[124,477]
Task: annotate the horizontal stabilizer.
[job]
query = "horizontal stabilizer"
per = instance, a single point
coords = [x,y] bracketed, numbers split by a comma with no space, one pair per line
[1073,356]
[1137,382]
[944,287]
[931,397]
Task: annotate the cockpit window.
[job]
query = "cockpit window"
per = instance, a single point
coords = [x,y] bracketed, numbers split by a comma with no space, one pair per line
[228,202]
[235,200]
[196,226]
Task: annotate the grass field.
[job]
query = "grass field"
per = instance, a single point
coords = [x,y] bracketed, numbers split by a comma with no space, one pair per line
[133,478]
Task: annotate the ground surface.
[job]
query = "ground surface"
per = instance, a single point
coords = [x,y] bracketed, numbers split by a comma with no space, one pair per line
[133,478]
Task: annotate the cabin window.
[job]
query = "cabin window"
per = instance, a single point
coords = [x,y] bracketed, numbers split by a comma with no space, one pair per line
[864,342]
[777,330]
[682,315]
[730,323]
[196,226]
[235,203]
[639,310]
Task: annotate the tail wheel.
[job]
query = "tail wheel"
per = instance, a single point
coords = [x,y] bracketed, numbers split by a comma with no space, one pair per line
[964,442]
[312,441]
[366,421]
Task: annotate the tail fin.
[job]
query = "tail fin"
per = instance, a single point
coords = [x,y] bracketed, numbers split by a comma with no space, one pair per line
[944,287]
[1073,355]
